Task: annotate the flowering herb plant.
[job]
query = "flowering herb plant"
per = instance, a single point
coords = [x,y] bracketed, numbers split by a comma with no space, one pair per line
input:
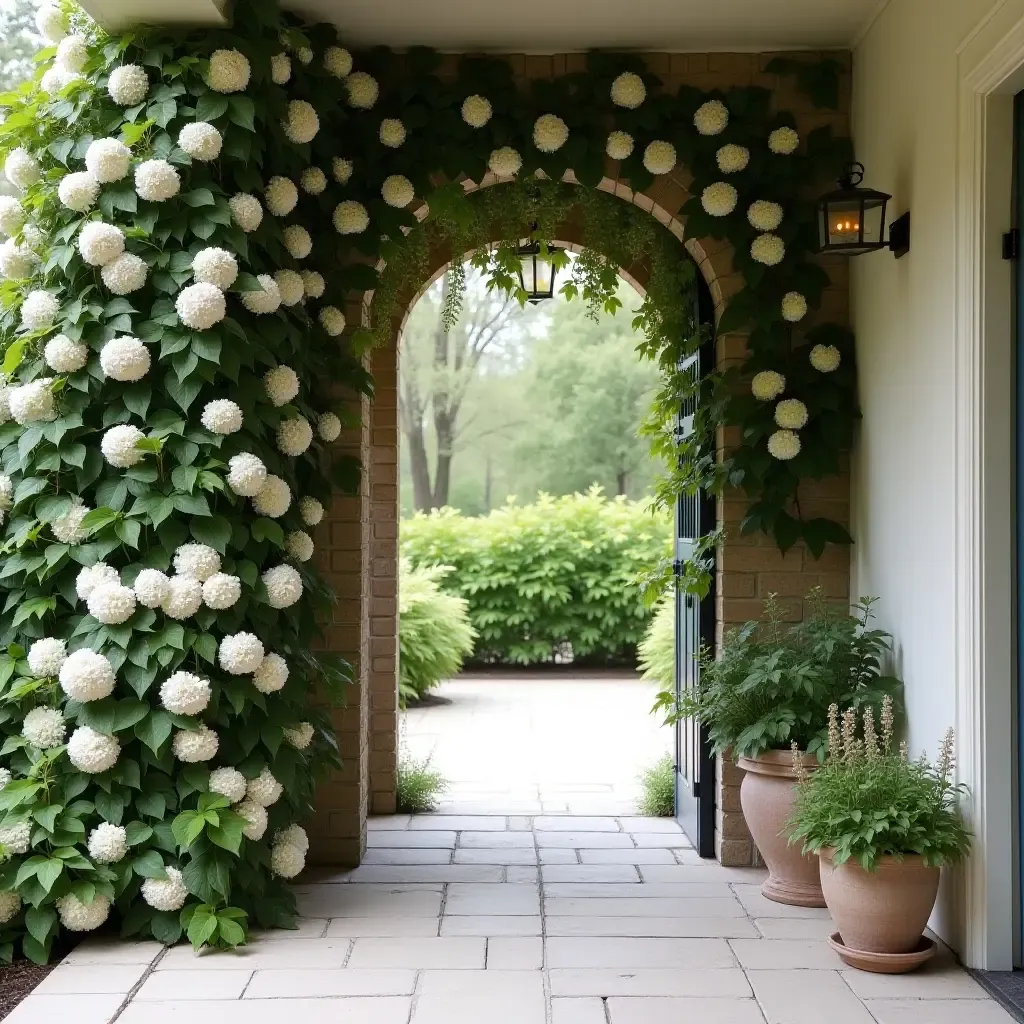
[868,800]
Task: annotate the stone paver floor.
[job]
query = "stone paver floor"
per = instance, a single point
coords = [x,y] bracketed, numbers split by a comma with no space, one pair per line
[515,920]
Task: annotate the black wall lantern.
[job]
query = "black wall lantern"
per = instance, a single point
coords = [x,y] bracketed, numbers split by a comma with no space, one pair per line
[536,272]
[851,219]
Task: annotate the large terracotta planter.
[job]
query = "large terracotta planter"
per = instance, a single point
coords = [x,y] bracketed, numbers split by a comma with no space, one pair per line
[767,795]
[880,911]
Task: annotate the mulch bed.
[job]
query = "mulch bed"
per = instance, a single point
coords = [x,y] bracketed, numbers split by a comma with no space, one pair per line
[17,980]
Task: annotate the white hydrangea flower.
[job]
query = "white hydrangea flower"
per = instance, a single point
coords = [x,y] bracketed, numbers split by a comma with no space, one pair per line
[68,527]
[397,191]
[299,736]
[297,241]
[341,170]
[151,588]
[476,110]
[77,916]
[767,385]
[51,22]
[791,414]
[100,243]
[628,90]
[125,359]
[768,249]
[783,141]
[12,215]
[32,402]
[127,273]
[78,191]
[337,61]
[825,358]
[16,261]
[128,85]
[92,752]
[332,320]
[281,384]
[764,215]
[156,180]
[328,426]
[87,676]
[221,591]
[293,835]
[311,510]
[21,168]
[280,68]
[290,287]
[267,300]
[184,596]
[660,157]
[281,195]
[185,693]
[711,118]
[246,211]
[111,604]
[304,54]
[550,133]
[732,158]
[56,79]
[294,436]
[350,217]
[108,843]
[215,266]
[719,199]
[199,561]
[193,746]
[271,675]
[228,782]
[72,53]
[264,790]
[286,860]
[64,355]
[301,122]
[119,445]
[228,71]
[299,545]
[201,141]
[313,180]
[10,905]
[313,283]
[108,160]
[33,236]
[46,656]
[273,498]
[39,310]
[44,728]
[167,894]
[362,90]
[784,445]
[794,307]
[16,837]
[6,495]
[200,306]
[284,586]
[256,818]
[619,145]
[93,576]
[505,162]
[392,132]
[246,474]
[240,654]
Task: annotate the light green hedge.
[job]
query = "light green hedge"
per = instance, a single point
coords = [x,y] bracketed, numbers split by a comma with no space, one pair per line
[538,577]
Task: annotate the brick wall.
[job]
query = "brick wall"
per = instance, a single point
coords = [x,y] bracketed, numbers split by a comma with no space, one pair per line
[359,538]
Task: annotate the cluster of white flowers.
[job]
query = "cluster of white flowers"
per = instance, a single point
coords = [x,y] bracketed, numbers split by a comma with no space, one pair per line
[311,510]
[78,191]
[299,545]
[46,656]
[264,790]
[767,385]
[228,782]
[21,168]
[107,160]
[284,586]
[12,215]
[44,728]
[246,474]
[185,693]
[271,675]
[619,145]
[120,445]
[660,157]
[67,528]
[246,211]
[764,215]
[476,110]
[299,736]
[151,588]
[255,817]
[193,746]
[332,320]
[341,170]
[222,416]
[91,751]
[273,498]
[215,266]
[297,241]
[301,122]
[87,676]
[6,495]
[156,180]
[784,445]
[791,414]
[550,133]
[328,426]
[92,576]
[719,199]
[711,118]
[56,79]
[783,141]
[16,837]
[628,90]
[201,141]
[10,905]
[63,355]
[288,852]
[362,90]
[51,22]
[732,158]
[128,85]
[794,307]
[398,191]
[78,916]
[39,310]
[108,843]
[221,590]
[281,195]
[768,249]
[350,217]
[294,436]
[505,162]
[32,402]
[337,61]
[392,133]
[167,894]
[125,274]
[289,287]
[825,358]
[184,596]
[313,180]
[199,561]
[125,359]
[240,654]
[16,261]
[72,53]
[100,243]
[281,384]
[266,300]
[280,68]
[228,71]
[111,604]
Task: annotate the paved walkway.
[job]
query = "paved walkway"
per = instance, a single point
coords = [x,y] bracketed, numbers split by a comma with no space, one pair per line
[515,920]
[545,743]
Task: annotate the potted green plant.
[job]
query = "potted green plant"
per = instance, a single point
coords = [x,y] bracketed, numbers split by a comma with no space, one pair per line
[769,688]
[883,826]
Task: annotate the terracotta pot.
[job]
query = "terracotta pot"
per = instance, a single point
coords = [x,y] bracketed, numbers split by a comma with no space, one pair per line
[767,795]
[880,911]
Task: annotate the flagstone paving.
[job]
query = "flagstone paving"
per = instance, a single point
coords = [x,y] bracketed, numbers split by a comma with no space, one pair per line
[512,938]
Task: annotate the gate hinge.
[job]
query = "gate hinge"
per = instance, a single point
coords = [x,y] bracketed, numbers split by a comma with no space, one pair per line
[1011,244]
[678,566]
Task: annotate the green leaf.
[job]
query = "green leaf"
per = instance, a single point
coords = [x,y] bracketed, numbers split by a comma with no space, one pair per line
[137,832]
[129,712]
[198,197]
[98,518]
[210,106]
[166,927]
[41,923]
[149,865]
[49,872]
[266,529]
[201,928]
[154,730]
[228,834]
[214,530]
[241,112]
[13,355]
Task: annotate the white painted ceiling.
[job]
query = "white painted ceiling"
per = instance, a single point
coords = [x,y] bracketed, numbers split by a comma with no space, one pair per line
[547,26]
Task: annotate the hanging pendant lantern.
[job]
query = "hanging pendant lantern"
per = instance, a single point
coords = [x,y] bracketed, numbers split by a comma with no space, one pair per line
[537,272]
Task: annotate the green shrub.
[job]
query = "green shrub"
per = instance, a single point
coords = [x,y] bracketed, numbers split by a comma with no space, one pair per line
[434,633]
[419,785]
[659,788]
[657,650]
[538,577]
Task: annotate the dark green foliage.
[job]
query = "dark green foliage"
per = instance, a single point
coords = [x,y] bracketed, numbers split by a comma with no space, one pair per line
[659,789]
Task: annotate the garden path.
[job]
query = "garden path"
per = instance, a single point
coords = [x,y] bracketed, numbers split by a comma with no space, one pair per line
[539,743]
[515,920]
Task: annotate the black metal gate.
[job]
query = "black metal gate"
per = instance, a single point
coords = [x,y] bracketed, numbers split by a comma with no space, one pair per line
[695,626]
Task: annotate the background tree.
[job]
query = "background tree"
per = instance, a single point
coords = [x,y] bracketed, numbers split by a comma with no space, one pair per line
[18,42]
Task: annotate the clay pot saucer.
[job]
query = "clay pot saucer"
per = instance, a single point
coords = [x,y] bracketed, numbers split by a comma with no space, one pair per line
[883,963]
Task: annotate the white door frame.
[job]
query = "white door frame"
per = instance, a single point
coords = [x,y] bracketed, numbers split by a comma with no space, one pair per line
[990,70]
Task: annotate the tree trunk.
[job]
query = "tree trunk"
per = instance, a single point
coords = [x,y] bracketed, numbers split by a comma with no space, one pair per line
[420,466]
[620,481]
[487,484]
[443,427]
